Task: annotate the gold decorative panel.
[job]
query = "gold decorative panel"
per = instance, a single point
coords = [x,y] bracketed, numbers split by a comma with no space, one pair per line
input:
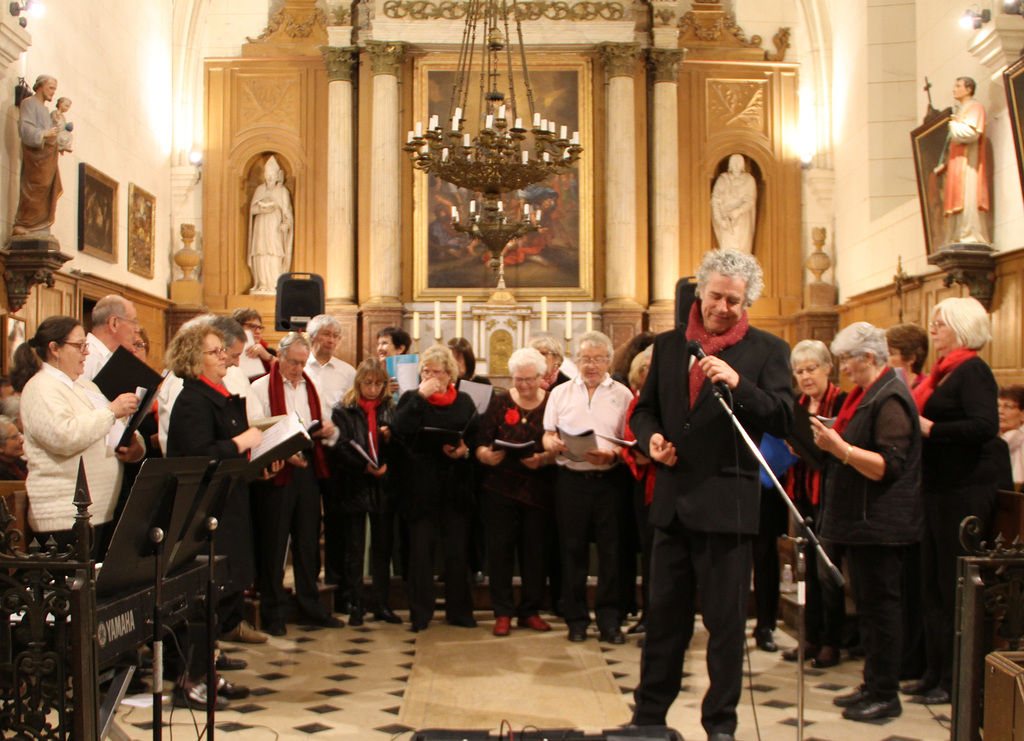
[269,101]
[736,104]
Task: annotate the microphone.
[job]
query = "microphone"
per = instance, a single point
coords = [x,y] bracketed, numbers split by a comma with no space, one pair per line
[719,388]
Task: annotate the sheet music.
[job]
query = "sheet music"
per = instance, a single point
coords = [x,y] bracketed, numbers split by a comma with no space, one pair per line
[252,367]
[372,460]
[480,393]
[578,442]
[278,433]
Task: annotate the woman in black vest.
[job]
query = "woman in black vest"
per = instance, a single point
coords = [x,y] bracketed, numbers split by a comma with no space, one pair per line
[872,505]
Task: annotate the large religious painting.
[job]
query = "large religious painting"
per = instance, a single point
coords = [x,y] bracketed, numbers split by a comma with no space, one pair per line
[97,213]
[141,214]
[1014,83]
[930,150]
[556,260]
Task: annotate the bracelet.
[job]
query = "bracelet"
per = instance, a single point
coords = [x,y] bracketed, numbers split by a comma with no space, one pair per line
[846,458]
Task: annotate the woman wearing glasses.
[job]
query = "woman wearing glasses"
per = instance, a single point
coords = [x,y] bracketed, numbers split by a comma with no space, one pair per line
[958,403]
[12,451]
[66,417]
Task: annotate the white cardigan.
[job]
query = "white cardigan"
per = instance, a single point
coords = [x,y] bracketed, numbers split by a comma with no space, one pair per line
[61,425]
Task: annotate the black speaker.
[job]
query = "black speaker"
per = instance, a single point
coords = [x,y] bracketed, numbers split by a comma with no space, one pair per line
[638,733]
[686,294]
[300,297]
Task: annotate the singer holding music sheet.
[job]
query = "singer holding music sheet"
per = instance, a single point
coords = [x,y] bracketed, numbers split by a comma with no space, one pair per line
[67,418]
[705,505]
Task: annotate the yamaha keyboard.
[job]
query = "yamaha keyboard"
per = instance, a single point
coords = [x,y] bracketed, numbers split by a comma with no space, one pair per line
[125,623]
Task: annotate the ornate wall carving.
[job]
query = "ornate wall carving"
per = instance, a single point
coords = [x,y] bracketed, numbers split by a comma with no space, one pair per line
[736,104]
[268,102]
[586,10]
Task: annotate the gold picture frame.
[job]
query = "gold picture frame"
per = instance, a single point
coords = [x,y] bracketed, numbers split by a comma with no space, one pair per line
[930,142]
[558,261]
[141,215]
[1013,78]
[97,213]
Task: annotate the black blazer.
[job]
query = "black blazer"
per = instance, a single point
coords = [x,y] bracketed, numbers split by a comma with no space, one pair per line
[714,486]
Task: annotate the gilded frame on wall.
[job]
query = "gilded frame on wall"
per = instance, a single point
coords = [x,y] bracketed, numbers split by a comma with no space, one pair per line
[1013,78]
[557,261]
[930,149]
[141,215]
[97,213]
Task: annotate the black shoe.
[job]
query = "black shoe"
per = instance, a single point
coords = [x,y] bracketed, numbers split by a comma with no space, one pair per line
[194,698]
[764,640]
[856,697]
[874,709]
[321,621]
[387,616]
[231,691]
[418,627]
[342,605]
[466,622]
[791,654]
[612,636]
[720,736]
[934,696]
[917,687]
[577,635]
[638,628]
[355,619]
[275,629]
[827,657]
[227,664]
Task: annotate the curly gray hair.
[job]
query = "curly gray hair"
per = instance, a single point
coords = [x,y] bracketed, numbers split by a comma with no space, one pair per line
[732,264]
[859,339]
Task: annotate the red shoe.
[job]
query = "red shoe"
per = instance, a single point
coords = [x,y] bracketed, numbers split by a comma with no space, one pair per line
[502,626]
[534,621]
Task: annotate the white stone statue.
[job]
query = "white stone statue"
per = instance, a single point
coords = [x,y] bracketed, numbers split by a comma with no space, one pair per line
[734,206]
[271,230]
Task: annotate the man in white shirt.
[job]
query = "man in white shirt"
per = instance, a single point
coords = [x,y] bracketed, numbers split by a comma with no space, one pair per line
[289,504]
[591,494]
[114,322]
[333,377]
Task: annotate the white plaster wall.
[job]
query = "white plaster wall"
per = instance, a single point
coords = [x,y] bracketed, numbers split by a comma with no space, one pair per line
[112,58]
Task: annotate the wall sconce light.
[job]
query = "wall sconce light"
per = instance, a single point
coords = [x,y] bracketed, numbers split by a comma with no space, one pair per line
[31,7]
[196,158]
[975,18]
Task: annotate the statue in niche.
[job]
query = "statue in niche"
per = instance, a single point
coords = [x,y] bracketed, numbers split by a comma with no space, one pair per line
[965,195]
[271,230]
[64,127]
[40,176]
[734,206]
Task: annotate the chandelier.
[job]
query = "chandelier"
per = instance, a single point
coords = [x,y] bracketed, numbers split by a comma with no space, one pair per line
[502,156]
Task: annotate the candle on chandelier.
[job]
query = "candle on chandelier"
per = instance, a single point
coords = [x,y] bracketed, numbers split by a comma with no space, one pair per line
[411,134]
[568,322]
[416,326]
[472,207]
[444,154]
[543,312]
[458,316]
[544,124]
[501,112]
[455,123]
[455,213]
[433,122]
[519,123]
[458,113]
[547,157]
[526,211]
[489,122]
[419,128]
[437,320]
[466,140]
[526,158]
[536,120]
[575,137]
[565,132]
[501,206]
[590,321]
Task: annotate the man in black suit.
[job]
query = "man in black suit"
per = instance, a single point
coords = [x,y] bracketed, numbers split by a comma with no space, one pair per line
[705,507]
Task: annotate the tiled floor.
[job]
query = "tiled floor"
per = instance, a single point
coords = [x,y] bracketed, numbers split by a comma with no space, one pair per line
[349,683]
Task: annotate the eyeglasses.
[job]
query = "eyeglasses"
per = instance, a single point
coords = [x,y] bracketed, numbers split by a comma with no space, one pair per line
[126,319]
[531,379]
[937,324]
[217,351]
[844,359]
[82,347]
[141,346]
[253,326]
[810,369]
[587,360]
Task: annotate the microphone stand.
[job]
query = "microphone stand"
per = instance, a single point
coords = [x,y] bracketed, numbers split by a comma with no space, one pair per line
[807,533]
[211,631]
[156,536]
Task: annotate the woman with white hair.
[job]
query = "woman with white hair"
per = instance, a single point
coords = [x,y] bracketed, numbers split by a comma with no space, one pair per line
[517,492]
[811,363]
[959,409]
[435,422]
[872,506]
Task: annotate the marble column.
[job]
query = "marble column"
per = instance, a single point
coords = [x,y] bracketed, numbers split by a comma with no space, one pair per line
[622,315]
[664,187]
[384,306]
[340,272]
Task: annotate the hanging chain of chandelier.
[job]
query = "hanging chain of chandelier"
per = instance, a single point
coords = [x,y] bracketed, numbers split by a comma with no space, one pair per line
[503,156]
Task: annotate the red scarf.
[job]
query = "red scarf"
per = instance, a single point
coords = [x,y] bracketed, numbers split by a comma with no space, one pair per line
[641,472]
[369,407]
[712,343]
[810,479]
[923,391]
[851,403]
[443,398]
[220,388]
[278,406]
[547,381]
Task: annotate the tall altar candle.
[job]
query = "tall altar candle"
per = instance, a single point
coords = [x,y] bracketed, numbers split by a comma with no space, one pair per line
[543,313]
[437,321]
[416,325]
[568,322]
[458,316]
[590,321]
